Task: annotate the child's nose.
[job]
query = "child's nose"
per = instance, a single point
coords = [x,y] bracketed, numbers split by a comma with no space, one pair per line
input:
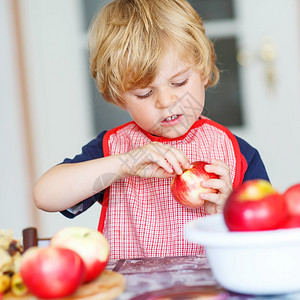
[165,98]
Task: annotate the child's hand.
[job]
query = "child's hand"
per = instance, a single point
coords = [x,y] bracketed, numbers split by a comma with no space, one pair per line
[154,160]
[215,202]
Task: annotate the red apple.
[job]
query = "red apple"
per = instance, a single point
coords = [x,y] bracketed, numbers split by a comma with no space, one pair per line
[90,244]
[186,188]
[292,198]
[292,222]
[51,272]
[255,205]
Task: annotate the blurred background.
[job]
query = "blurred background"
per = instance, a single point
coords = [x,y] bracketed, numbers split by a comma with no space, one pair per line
[50,108]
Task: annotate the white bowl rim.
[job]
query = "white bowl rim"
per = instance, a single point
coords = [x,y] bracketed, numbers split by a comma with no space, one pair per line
[212,231]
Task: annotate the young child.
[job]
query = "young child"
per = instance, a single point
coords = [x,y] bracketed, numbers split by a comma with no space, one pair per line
[153,59]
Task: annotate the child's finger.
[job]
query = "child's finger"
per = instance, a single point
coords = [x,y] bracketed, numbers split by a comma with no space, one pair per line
[178,161]
[218,167]
[161,173]
[218,184]
[173,156]
[162,162]
[182,158]
[211,197]
[213,200]
[151,154]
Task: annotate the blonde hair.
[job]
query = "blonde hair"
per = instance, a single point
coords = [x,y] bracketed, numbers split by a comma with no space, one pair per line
[129,38]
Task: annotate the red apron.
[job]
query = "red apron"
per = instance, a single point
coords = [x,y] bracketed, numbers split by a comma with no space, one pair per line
[139,216]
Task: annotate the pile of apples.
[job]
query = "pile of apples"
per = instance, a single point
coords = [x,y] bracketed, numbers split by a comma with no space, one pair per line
[256,206]
[76,255]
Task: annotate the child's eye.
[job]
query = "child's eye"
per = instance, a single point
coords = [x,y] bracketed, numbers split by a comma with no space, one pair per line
[181,83]
[143,96]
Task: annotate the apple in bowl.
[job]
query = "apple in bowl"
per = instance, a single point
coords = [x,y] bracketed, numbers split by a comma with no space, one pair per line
[90,244]
[255,206]
[292,198]
[186,188]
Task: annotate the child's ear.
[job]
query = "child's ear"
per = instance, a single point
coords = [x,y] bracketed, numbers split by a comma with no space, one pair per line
[122,105]
[205,80]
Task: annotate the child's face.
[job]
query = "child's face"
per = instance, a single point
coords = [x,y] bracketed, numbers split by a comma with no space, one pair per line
[172,103]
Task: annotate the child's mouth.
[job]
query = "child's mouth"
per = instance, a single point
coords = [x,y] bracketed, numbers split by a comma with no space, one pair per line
[171,120]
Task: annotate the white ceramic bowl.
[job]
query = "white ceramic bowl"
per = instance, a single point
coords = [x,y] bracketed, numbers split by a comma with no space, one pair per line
[258,263]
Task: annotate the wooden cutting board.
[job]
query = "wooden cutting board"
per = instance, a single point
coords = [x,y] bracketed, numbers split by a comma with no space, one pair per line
[107,286]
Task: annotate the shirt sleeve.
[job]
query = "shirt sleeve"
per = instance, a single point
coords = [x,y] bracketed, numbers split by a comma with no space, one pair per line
[255,168]
[92,150]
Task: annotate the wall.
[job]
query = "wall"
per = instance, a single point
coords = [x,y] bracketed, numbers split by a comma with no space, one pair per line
[15,191]
[56,75]
[58,93]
